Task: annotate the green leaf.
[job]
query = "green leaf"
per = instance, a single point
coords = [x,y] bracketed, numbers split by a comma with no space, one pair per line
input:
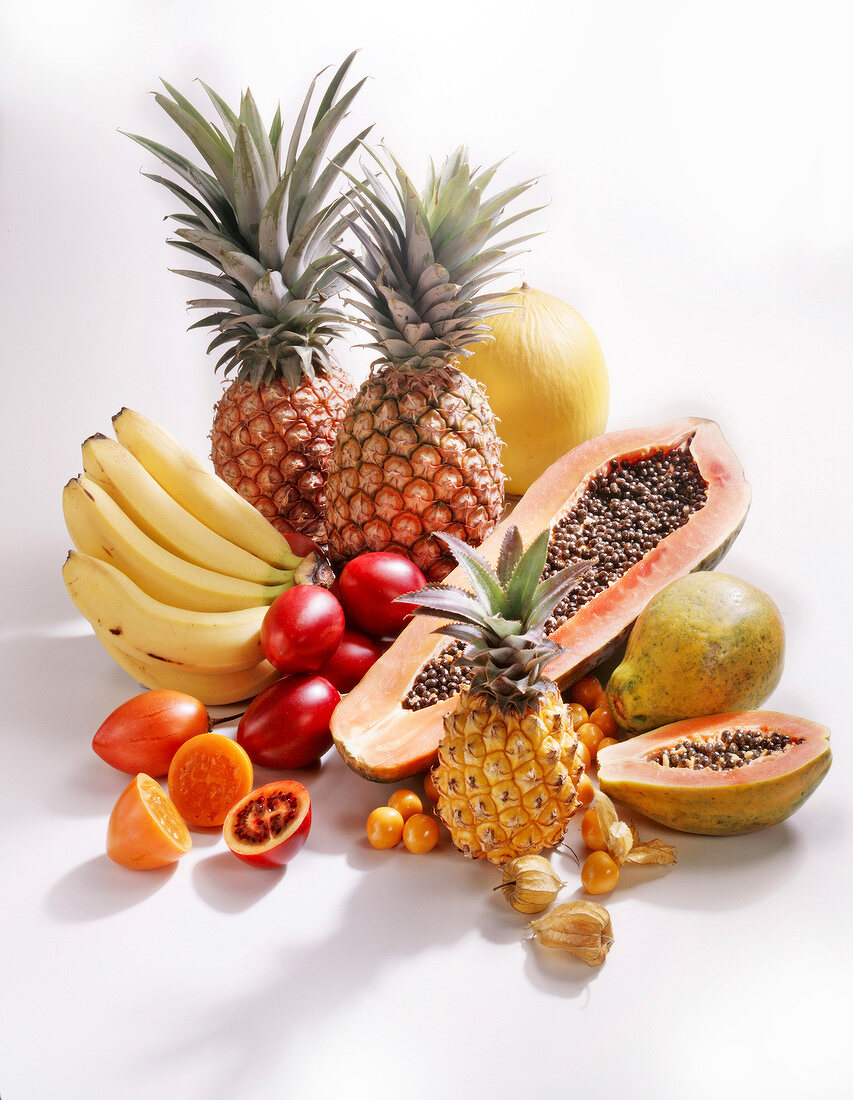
[326,180]
[275,139]
[191,201]
[443,601]
[214,244]
[295,136]
[245,269]
[250,185]
[305,167]
[331,91]
[553,591]
[251,118]
[522,585]
[479,572]
[510,555]
[218,280]
[213,148]
[229,118]
[272,230]
[207,186]
[184,103]
[300,251]
[305,284]
[269,293]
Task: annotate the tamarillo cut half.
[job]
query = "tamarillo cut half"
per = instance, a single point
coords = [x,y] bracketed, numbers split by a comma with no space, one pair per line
[719,775]
[643,506]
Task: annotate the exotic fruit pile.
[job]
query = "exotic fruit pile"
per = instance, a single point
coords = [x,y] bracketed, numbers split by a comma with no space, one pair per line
[440,634]
[642,507]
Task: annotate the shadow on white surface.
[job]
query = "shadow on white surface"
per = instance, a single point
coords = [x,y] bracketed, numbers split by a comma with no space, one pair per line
[559,973]
[231,886]
[100,888]
[390,916]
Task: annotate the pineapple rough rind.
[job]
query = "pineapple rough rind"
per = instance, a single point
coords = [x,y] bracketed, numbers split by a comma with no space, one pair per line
[506,782]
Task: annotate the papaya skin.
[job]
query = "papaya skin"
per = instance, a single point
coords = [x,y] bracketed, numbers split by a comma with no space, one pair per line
[708,643]
[743,800]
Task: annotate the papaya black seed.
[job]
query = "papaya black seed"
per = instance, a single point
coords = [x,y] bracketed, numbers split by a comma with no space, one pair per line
[731,749]
[624,512]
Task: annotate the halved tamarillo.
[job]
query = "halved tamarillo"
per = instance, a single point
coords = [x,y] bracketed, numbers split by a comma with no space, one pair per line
[644,506]
[719,775]
[269,825]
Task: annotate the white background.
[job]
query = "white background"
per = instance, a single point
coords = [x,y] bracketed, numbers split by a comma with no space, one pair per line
[697,161]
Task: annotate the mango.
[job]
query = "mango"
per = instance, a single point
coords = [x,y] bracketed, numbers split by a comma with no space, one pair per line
[708,643]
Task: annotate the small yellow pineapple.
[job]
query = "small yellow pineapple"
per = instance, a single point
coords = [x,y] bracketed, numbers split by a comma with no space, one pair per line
[507,773]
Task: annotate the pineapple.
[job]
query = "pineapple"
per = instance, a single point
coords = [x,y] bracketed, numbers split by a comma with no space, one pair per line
[506,774]
[418,451]
[263,221]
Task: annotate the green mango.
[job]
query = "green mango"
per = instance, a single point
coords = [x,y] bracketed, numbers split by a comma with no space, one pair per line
[708,643]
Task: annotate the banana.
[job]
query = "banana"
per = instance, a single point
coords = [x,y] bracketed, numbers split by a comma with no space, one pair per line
[211,688]
[98,527]
[150,630]
[151,508]
[199,491]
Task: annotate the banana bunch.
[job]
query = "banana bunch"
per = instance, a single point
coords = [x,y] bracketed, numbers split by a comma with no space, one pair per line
[173,569]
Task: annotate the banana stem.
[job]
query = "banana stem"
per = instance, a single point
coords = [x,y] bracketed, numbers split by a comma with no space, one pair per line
[212,723]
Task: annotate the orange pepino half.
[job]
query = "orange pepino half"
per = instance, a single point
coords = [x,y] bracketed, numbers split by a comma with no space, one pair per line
[208,774]
[145,829]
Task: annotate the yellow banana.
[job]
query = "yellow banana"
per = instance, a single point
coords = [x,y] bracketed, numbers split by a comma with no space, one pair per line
[200,491]
[151,508]
[211,688]
[99,527]
[153,631]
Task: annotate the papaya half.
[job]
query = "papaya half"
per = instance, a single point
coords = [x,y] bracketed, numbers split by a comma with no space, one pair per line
[643,506]
[719,776]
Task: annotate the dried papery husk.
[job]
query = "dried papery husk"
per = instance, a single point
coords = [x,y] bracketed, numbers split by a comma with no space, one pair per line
[623,841]
[652,853]
[530,883]
[582,928]
[617,835]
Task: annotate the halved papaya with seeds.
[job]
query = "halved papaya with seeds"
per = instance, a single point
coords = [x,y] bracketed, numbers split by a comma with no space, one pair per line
[643,506]
[720,775]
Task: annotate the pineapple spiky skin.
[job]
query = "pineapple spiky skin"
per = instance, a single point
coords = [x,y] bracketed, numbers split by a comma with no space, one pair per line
[272,444]
[416,453]
[507,782]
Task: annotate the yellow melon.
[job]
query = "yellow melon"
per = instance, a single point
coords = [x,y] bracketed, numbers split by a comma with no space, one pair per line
[546,381]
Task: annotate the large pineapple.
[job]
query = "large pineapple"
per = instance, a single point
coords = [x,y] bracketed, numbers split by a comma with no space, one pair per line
[418,451]
[263,220]
[506,774]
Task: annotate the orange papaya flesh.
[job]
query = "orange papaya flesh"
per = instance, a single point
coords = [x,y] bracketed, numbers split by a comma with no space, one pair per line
[385,741]
[741,799]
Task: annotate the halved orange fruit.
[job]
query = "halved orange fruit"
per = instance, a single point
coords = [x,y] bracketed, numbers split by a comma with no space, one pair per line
[208,774]
[145,829]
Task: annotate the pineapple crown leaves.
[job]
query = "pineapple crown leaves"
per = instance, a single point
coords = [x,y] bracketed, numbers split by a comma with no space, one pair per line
[501,623]
[263,217]
[426,260]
